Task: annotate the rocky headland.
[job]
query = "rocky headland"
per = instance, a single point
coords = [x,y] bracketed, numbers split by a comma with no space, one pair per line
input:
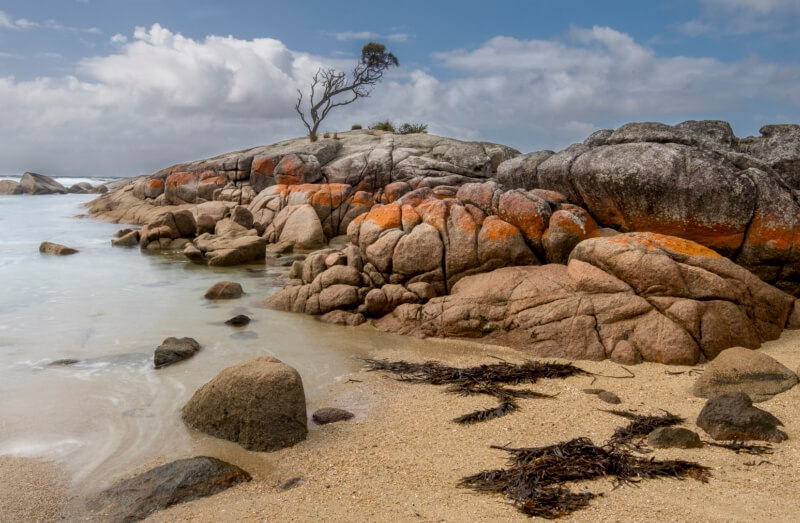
[650,242]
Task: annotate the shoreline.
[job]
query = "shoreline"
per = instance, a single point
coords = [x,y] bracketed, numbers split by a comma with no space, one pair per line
[401,457]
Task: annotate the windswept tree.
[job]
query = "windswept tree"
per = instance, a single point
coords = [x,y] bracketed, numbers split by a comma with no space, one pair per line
[331,88]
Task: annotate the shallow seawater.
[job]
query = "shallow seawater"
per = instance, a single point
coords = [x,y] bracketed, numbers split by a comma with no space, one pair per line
[109,308]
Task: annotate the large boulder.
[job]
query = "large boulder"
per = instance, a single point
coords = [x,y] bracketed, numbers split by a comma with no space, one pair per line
[136,498]
[259,404]
[230,248]
[300,226]
[732,416]
[631,297]
[32,183]
[743,370]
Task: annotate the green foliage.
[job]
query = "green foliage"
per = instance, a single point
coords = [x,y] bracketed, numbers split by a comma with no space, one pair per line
[326,135]
[356,127]
[413,128]
[386,125]
[374,56]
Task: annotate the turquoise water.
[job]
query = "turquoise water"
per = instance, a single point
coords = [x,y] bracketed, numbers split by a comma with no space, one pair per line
[109,308]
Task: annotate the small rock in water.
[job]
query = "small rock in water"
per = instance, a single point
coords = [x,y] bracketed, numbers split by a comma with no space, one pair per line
[609,397]
[674,437]
[732,416]
[173,350]
[331,415]
[122,232]
[224,290]
[55,248]
[63,362]
[183,480]
[131,239]
[238,321]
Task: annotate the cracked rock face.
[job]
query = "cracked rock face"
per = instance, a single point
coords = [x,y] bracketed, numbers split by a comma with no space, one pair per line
[633,297]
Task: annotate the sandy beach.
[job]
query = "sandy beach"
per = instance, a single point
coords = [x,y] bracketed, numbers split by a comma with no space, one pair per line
[401,457]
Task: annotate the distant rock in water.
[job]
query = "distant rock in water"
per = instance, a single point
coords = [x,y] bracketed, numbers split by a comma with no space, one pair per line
[136,498]
[238,321]
[173,350]
[80,188]
[55,248]
[224,290]
[32,183]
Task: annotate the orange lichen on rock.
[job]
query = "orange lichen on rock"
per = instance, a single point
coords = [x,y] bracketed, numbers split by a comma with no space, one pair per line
[498,230]
[409,217]
[461,218]
[386,216]
[361,198]
[155,183]
[658,241]
[265,165]
[181,178]
[331,195]
[529,214]
[770,232]
[434,213]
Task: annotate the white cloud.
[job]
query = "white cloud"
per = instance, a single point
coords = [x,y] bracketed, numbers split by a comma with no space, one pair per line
[745,16]
[160,97]
[756,6]
[696,28]
[119,39]
[6,21]
[369,35]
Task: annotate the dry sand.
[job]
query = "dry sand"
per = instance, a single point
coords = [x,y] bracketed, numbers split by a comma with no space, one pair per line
[401,457]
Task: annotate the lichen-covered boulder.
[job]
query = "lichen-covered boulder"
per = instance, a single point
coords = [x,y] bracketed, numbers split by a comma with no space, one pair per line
[632,297]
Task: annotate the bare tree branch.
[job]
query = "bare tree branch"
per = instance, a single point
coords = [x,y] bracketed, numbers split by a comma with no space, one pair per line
[367,73]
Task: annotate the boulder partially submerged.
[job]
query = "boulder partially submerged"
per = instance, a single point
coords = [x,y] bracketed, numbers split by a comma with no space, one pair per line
[32,183]
[56,248]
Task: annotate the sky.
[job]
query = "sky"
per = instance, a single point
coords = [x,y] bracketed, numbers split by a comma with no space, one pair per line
[125,87]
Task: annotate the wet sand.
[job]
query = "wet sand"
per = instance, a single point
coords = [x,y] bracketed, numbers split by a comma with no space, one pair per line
[401,457]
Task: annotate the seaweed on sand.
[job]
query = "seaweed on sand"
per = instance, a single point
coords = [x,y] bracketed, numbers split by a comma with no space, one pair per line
[535,476]
[640,426]
[481,379]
